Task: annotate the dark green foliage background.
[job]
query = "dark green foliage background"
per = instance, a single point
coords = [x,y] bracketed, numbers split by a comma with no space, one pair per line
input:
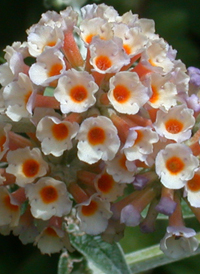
[178,22]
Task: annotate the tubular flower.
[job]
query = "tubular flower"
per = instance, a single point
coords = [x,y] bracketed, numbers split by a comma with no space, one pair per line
[179,241]
[107,188]
[176,124]
[139,143]
[49,67]
[9,208]
[101,125]
[127,94]
[26,165]
[94,214]
[192,189]
[90,28]
[121,169]
[4,139]
[75,91]
[44,37]
[55,135]
[164,92]
[51,240]
[107,56]
[19,98]
[98,139]
[48,197]
[175,165]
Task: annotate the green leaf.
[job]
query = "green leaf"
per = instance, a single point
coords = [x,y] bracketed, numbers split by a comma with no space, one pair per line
[63,264]
[2,60]
[49,91]
[109,258]
[73,263]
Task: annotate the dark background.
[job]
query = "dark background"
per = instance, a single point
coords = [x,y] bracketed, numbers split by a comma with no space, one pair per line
[178,22]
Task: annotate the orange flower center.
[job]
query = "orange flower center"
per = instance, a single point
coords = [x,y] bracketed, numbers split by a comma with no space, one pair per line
[155,95]
[27,96]
[8,204]
[194,183]
[139,136]
[103,62]
[127,49]
[88,39]
[90,209]
[51,232]
[96,136]
[49,194]
[55,70]
[173,126]
[30,167]
[105,183]
[175,165]
[60,131]
[78,94]
[121,94]
[122,162]
[2,141]
[51,43]
[152,62]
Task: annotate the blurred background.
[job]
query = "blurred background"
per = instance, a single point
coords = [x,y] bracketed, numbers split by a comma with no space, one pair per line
[178,23]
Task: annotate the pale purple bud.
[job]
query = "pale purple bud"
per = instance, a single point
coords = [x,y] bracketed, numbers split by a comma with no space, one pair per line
[130,216]
[140,181]
[194,74]
[166,206]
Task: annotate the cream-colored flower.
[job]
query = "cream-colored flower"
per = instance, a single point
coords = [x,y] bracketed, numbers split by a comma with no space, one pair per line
[97,139]
[26,165]
[48,197]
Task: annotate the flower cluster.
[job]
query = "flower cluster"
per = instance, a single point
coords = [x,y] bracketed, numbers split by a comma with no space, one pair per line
[110,129]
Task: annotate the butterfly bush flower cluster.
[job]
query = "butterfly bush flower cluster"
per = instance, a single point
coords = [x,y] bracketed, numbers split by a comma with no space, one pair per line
[111,129]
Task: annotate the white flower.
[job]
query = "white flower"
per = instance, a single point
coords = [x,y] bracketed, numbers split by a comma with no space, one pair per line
[98,139]
[127,94]
[4,139]
[55,135]
[19,98]
[44,37]
[192,189]
[50,240]
[107,56]
[102,11]
[176,124]
[95,27]
[134,41]
[121,169]
[164,92]
[93,215]
[175,165]
[155,57]
[139,143]
[15,55]
[178,242]
[48,197]
[75,91]
[26,165]
[49,67]
[107,187]
[9,209]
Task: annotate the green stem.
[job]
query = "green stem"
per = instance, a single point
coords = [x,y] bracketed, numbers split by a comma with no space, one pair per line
[152,257]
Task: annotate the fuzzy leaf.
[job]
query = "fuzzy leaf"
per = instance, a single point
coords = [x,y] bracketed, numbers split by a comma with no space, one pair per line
[109,258]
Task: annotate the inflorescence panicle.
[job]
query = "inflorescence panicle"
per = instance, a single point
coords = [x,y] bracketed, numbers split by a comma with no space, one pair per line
[114,120]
